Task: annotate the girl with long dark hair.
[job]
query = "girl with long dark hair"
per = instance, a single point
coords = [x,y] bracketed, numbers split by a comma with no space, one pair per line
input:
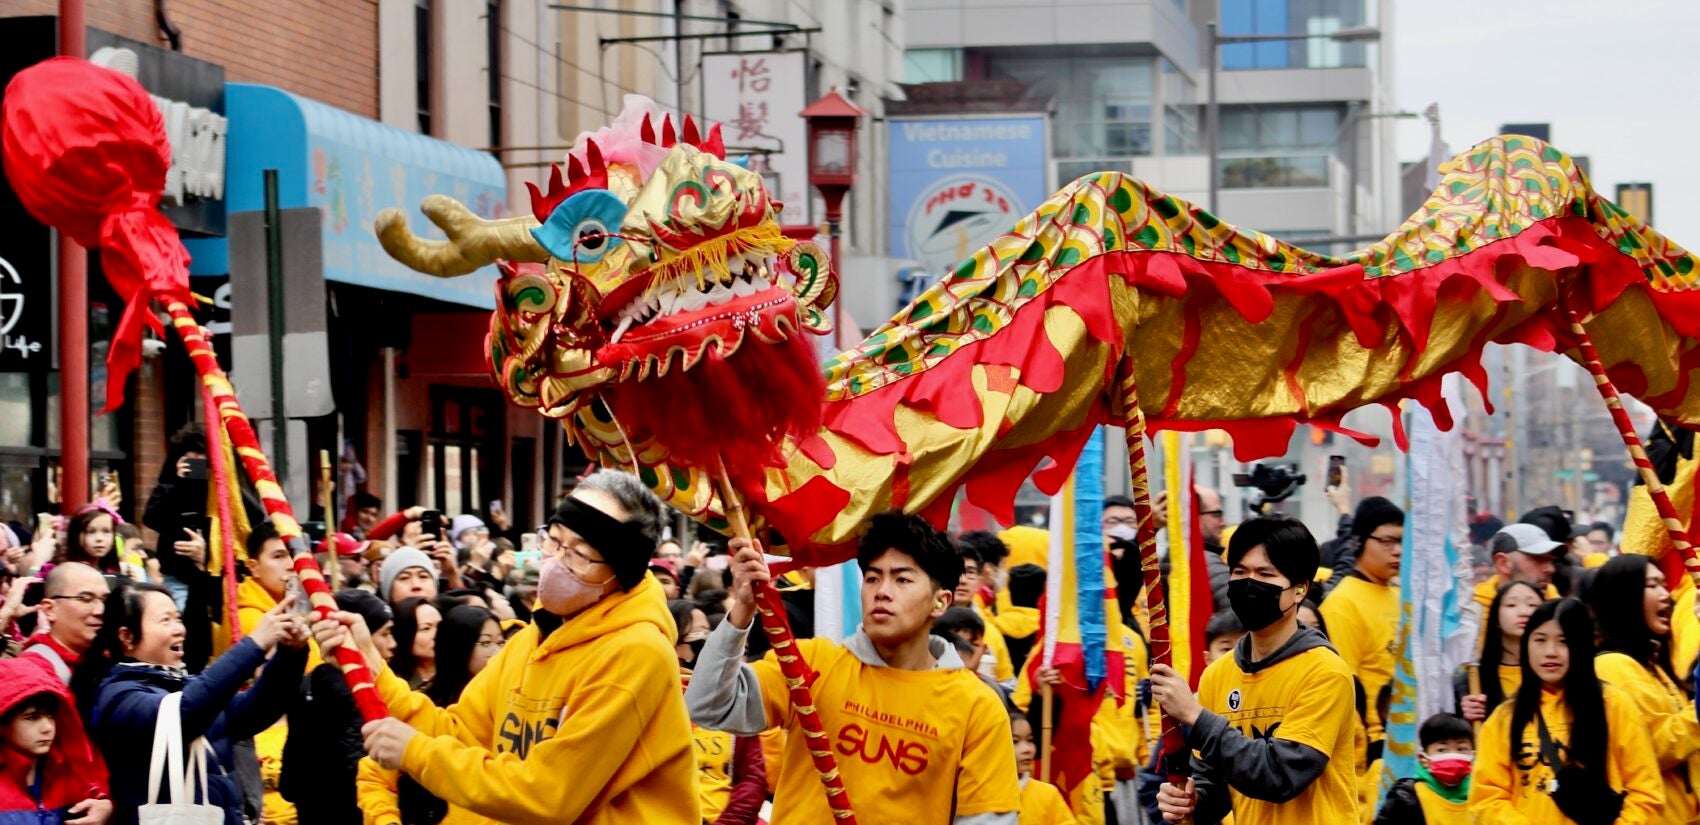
[1500,667]
[416,621]
[467,639]
[91,538]
[1633,607]
[1565,746]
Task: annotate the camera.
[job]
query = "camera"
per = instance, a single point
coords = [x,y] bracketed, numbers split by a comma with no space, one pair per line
[1273,482]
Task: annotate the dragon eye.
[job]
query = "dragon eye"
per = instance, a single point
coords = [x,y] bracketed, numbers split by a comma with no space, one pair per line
[579,229]
[591,235]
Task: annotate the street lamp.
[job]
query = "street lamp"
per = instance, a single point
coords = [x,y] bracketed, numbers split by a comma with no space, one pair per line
[1212,122]
[832,162]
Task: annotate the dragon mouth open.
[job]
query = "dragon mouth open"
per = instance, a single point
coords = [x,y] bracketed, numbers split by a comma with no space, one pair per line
[687,313]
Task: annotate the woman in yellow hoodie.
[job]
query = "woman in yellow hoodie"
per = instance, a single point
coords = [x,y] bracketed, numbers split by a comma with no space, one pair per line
[1633,606]
[1565,746]
[578,719]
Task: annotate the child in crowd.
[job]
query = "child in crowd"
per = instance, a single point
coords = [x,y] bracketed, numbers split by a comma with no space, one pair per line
[48,772]
[1437,794]
[1221,634]
[1041,802]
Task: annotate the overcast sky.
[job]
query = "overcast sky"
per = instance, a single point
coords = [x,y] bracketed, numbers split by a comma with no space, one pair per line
[1619,82]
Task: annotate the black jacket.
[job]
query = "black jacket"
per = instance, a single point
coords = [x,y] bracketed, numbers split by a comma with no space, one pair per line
[323,751]
[1401,806]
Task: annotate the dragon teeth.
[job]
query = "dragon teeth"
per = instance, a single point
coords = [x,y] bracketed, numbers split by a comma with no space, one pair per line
[625,324]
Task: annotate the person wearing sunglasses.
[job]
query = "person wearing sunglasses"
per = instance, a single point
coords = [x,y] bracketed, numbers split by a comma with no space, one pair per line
[578,718]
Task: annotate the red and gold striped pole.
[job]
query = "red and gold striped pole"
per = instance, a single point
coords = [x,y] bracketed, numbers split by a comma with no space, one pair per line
[1174,749]
[235,423]
[770,609]
[1632,441]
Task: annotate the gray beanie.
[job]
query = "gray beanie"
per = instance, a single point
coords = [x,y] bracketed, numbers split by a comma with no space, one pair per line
[398,561]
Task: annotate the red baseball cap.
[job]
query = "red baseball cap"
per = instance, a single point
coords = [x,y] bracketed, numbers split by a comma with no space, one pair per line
[346,545]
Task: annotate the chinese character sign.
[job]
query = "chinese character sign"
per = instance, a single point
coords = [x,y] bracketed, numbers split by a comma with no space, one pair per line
[756,97]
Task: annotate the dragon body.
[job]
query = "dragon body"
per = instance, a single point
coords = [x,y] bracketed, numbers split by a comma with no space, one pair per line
[1110,303]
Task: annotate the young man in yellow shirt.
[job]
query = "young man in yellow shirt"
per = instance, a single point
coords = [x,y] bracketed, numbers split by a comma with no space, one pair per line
[1272,725]
[578,718]
[917,737]
[1362,611]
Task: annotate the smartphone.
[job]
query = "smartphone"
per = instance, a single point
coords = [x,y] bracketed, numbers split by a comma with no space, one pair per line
[431,523]
[197,522]
[526,559]
[1336,470]
[197,468]
[303,605]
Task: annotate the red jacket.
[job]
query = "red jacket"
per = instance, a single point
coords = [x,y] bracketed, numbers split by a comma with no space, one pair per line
[72,771]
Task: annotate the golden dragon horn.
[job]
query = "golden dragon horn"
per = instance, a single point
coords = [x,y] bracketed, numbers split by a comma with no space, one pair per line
[473,242]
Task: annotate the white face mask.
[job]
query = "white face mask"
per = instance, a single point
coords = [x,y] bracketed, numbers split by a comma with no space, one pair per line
[561,592]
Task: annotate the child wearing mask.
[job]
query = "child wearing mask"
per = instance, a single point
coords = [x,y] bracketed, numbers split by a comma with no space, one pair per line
[1041,802]
[1438,793]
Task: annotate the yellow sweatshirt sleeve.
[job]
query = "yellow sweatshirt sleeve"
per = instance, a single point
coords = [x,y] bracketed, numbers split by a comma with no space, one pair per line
[1493,778]
[1632,753]
[467,720]
[375,789]
[560,778]
[1003,669]
[1345,632]
[1022,696]
[1673,729]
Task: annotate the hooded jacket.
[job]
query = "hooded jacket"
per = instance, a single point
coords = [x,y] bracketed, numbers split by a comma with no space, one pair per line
[584,725]
[1666,711]
[214,706]
[1274,743]
[70,773]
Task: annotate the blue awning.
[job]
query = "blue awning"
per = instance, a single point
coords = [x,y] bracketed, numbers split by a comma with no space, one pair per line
[351,168]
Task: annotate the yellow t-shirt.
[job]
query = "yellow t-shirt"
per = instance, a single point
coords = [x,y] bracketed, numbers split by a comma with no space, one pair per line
[268,746]
[1042,804]
[1363,618]
[1507,792]
[1003,670]
[912,745]
[1438,810]
[1306,699]
[1667,713]
[1510,679]
[714,770]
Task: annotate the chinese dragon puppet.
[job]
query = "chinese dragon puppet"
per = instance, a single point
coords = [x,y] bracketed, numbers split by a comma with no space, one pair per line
[653,305]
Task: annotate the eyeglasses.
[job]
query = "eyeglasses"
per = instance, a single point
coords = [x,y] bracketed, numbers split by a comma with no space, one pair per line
[1387,539]
[574,558]
[84,597]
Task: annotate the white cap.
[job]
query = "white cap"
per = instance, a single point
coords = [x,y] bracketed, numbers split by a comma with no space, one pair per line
[1524,538]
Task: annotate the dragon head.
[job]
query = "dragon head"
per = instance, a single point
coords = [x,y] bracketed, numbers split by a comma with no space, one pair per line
[645,271]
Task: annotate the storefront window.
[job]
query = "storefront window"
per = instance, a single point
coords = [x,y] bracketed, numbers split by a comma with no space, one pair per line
[15,418]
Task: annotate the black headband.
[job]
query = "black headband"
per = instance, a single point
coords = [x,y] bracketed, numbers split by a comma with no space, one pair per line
[622,543]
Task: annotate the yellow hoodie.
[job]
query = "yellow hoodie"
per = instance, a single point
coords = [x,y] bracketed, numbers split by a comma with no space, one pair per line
[586,726]
[252,604]
[1668,715]
[1507,793]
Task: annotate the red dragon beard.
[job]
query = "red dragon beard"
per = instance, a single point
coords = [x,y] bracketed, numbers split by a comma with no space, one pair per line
[740,410]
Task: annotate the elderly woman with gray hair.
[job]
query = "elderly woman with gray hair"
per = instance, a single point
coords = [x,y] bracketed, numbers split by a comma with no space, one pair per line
[585,698]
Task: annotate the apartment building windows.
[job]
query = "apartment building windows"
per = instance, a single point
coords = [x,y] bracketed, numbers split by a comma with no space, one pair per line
[1292,17]
[932,65]
[493,67]
[423,34]
[1278,146]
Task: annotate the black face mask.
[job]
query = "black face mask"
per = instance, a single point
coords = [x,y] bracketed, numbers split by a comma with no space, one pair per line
[696,652]
[1256,604]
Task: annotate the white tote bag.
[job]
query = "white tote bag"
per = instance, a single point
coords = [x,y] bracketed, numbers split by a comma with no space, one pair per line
[167,761]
